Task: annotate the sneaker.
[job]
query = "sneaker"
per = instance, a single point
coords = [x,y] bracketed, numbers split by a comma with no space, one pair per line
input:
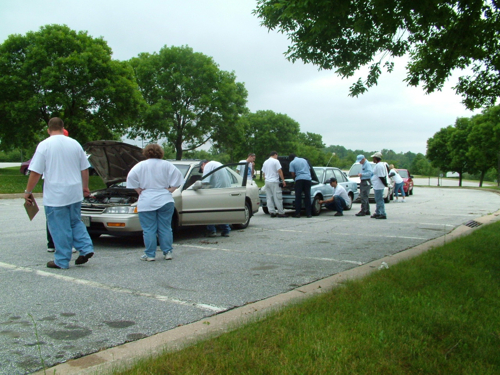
[403,201]
[273,215]
[224,234]
[360,213]
[148,259]
[82,259]
[381,217]
[73,250]
[297,216]
[52,264]
[374,216]
[339,214]
[51,249]
[211,234]
[168,256]
[282,215]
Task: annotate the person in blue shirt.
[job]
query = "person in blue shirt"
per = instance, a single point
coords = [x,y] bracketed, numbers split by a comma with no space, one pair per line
[301,173]
[365,176]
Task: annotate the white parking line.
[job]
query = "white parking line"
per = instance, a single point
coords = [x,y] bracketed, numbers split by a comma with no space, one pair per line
[94,284]
[270,254]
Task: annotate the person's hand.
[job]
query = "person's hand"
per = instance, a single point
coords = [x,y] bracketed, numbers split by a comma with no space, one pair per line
[28,198]
[320,202]
[359,175]
[284,183]
[86,192]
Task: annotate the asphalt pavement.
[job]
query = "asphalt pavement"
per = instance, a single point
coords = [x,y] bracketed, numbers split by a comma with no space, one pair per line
[116,298]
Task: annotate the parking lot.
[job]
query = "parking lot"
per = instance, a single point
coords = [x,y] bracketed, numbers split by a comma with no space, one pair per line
[116,298]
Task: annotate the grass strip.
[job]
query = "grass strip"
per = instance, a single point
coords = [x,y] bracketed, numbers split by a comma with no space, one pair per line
[434,314]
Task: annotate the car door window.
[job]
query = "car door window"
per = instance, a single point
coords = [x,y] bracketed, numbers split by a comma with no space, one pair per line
[339,175]
[222,178]
[319,173]
[328,174]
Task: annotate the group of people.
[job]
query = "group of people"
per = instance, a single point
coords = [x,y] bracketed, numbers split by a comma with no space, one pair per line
[154,179]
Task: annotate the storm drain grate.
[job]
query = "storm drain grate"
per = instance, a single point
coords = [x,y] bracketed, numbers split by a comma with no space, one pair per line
[472,224]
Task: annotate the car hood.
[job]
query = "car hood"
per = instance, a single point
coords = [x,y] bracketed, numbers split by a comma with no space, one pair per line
[113,160]
[285,167]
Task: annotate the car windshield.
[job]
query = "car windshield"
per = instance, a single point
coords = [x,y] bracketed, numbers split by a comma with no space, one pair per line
[355,170]
[183,168]
[403,173]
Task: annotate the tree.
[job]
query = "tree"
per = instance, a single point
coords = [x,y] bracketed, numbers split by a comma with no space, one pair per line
[439,37]
[190,100]
[458,148]
[437,149]
[484,140]
[60,72]
[265,131]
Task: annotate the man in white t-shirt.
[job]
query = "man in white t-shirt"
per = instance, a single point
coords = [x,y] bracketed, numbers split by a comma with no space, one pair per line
[250,160]
[64,165]
[272,172]
[340,200]
[379,182]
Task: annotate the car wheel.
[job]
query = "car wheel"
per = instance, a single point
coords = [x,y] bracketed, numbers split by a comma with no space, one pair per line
[315,206]
[248,215]
[351,195]
[94,236]
[175,223]
[411,192]
[388,198]
[266,210]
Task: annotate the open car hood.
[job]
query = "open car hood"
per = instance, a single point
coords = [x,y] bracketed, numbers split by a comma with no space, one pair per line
[285,167]
[113,160]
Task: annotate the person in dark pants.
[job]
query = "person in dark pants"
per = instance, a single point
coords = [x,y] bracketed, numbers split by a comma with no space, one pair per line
[340,200]
[301,173]
[365,185]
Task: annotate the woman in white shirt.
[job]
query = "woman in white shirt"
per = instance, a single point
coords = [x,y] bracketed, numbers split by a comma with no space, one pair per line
[155,180]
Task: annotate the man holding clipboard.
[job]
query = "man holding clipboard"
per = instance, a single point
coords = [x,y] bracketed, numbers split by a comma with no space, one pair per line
[64,165]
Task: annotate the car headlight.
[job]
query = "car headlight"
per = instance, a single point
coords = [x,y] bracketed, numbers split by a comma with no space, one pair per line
[121,210]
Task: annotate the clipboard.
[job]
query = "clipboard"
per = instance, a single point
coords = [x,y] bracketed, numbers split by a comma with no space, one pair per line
[31,209]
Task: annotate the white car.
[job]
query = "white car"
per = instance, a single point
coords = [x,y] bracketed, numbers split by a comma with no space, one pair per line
[114,210]
[388,190]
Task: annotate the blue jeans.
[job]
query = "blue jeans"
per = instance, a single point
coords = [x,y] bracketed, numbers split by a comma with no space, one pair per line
[157,223]
[303,186]
[338,204]
[68,231]
[379,200]
[224,228]
[399,187]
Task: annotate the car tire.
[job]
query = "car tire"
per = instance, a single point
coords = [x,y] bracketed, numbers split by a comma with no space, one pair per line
[248,216]
[266,210]
[94,236]
[175,223]
[315,206]
[351,195]
[387,199]
[411,192]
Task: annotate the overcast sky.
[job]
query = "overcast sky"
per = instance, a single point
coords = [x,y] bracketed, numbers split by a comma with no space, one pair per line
[390,116]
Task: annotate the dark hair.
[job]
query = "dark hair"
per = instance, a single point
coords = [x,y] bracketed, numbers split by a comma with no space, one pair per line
[333,179]
[272,153]
[251,154]
[153,151]
[377,158]
[291,156]
[55,123]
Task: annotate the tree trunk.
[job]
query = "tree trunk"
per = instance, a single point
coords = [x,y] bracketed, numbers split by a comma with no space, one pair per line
[460,179]
[481,179]
[498,168]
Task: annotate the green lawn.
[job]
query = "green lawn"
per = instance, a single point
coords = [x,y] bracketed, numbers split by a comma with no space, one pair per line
[434,314]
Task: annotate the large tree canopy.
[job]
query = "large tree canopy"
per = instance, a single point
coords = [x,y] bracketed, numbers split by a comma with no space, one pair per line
[439,36]
[60,72]
[190,100]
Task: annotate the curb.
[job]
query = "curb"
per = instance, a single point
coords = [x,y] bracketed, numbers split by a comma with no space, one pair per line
[180,337]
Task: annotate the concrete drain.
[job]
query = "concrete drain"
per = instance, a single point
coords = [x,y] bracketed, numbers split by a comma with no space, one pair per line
[472,224]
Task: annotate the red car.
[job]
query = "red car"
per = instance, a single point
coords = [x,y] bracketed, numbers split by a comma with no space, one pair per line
[407,180]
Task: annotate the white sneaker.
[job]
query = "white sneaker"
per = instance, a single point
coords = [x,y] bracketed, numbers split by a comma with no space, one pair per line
[403,201]
[51,249]
[73,250]
[168,256]
[147,259]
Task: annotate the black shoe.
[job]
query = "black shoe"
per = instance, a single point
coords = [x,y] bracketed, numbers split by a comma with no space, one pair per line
[381,217]
[273,215]
[367,213]
[360,213]
[309,216]
[374,216]
[339,214]
[52,264]
[82,259]
[297,216]
[282,215]
[224,234]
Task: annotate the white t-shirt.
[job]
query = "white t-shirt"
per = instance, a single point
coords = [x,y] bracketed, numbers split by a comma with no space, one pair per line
[154,176]
[61,160]
[378,171]
[270,169]
[341,192]
[396,178]
[219,179]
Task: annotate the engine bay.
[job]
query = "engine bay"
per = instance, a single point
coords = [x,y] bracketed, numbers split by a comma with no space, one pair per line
[112,196]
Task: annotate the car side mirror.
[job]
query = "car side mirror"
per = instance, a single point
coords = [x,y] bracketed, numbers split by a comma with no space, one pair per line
[197,185]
